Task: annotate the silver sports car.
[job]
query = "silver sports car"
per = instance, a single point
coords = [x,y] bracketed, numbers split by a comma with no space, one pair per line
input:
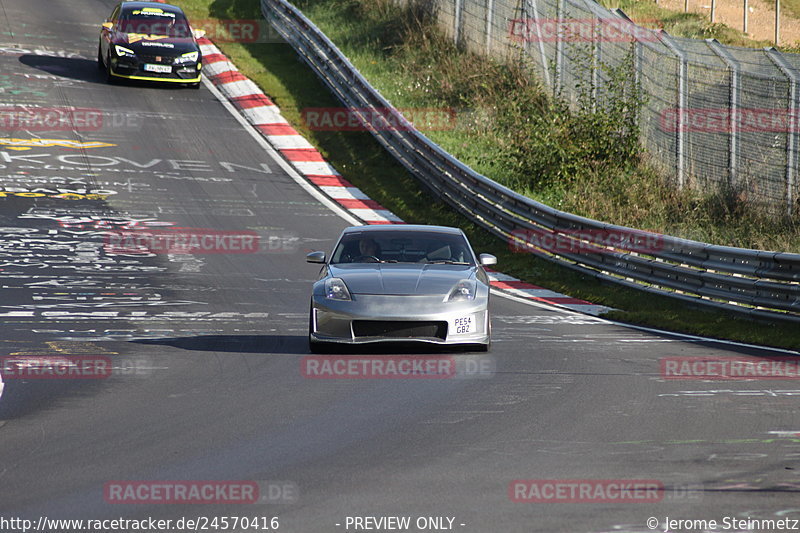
[391,283]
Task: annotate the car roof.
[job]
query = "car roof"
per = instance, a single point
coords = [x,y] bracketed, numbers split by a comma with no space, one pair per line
[139,4]
[403,227]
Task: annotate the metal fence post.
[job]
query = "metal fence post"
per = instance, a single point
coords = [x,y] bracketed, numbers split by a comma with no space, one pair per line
[637,47]
[537,25]
[457,21]
[489,17]
[744,16]
[683,89]
[596,61]
[559,47]
[791,137]
[733,106]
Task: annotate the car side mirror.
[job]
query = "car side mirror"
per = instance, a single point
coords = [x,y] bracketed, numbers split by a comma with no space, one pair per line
[108,25]
[487,259]
[315,257]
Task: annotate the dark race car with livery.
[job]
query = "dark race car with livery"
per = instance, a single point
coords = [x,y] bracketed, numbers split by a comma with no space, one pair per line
[149,41]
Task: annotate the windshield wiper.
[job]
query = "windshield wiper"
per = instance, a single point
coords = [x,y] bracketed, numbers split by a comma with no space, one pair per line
[446,262]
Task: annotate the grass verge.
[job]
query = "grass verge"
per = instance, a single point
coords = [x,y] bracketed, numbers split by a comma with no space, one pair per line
[376,48]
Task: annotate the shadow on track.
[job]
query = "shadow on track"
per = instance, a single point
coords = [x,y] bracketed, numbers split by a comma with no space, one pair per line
[84,70]
[22,397]
[398,348]
[66,67]
[266,344]
[292,345]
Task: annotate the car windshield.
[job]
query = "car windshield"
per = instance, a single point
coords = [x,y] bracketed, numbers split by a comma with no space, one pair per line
[154,21]
[403,247]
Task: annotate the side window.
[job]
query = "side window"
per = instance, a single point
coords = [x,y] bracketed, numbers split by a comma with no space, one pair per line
[346,252]
[115,17]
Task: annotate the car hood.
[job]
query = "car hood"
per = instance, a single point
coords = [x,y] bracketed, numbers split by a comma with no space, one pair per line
[155,44]
[401,278]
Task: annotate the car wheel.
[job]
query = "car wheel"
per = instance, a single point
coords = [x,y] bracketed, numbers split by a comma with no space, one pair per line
[109,76]
[100,64]
[488,345]
[313,346]
[318,347]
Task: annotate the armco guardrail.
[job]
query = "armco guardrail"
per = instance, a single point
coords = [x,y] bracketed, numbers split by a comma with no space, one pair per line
[759,283]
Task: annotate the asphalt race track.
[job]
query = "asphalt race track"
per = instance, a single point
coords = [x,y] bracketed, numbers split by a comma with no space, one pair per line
[207,350]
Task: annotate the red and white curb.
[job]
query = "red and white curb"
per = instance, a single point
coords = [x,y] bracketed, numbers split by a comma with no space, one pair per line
[529,291]
[266,117]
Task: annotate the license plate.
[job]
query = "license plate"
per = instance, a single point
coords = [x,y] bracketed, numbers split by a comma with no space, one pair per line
[465,324]
[166,69]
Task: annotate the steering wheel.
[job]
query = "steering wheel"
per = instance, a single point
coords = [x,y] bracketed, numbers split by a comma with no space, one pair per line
[367,259]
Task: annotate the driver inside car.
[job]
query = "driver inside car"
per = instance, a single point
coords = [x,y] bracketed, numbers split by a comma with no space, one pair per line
[368,248]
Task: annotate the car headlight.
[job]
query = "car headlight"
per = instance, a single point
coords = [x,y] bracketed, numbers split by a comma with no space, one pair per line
[462,291]
[335,289]
[122,51]
[189,57]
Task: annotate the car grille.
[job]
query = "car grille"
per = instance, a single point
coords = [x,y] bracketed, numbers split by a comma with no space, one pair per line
[165,60]
[399,330]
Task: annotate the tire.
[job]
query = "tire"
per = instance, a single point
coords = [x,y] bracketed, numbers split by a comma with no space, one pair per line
[318,347]
[313,346]
[100,64]
[488,345]
[109,77]
[195,85]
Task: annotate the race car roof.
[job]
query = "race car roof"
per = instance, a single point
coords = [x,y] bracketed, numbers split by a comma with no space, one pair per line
[403,227]
[139,4]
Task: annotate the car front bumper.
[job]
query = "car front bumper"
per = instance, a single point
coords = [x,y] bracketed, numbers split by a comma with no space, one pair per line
[373,318]
[134,69]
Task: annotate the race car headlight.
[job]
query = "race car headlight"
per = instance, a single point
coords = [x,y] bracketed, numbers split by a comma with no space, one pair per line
[462,291]
[190,57]
[123,52]
[335,289]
